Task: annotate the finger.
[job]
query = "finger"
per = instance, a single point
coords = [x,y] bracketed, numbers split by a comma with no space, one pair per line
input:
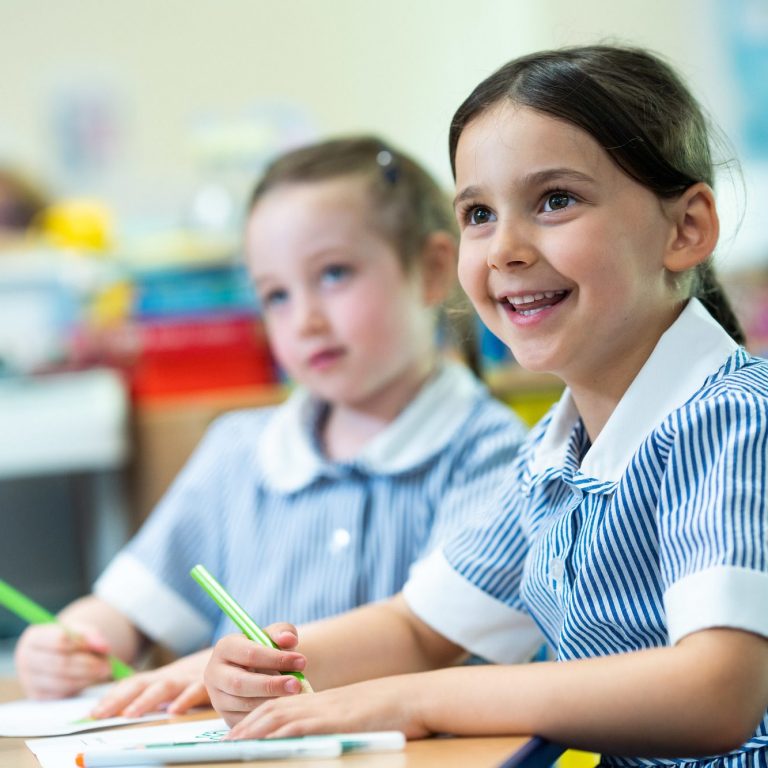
[247,654]
[238,682]
[194,695]
[75,671]
[119,696]
[94,641]
[284,634]
[48,637]
[299,727]
[238,649]
[57,653]
[82,666]
[259,723]
[151,699]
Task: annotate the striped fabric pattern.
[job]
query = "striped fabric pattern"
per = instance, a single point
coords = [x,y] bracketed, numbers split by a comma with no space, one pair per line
[591,560]
[346,537]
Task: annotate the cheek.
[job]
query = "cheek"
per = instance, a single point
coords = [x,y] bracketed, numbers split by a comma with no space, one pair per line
[472,275]
[279,341]
[382,323]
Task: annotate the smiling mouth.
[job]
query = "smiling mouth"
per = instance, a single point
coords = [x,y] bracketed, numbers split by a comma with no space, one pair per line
[531,303]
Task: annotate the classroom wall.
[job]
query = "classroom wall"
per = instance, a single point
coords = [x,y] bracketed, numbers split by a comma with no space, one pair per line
[152,72]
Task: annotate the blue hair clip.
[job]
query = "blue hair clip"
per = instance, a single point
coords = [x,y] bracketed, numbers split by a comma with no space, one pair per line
[386,161]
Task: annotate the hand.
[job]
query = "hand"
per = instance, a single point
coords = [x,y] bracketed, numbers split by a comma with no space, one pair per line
[180,683]
[242,674]
[390,703]
[53,662]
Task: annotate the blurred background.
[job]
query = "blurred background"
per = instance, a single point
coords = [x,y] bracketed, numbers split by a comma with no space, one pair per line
[130,134]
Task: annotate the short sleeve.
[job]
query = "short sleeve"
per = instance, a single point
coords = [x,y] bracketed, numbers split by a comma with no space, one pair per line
[469,591]
[149,579]
[713,516]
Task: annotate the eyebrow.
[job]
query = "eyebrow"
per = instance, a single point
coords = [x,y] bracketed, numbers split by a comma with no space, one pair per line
[548,175]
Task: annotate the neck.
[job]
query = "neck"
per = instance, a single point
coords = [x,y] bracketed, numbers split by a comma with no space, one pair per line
[350,426]
[597,393]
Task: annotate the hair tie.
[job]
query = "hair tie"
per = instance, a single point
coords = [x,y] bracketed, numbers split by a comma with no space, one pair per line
[386,161]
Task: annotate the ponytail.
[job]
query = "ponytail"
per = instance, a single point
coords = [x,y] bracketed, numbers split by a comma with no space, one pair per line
[458,322]
[710,293]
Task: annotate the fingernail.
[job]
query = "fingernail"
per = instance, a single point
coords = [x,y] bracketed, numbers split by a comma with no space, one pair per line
[299,663]
[292,685]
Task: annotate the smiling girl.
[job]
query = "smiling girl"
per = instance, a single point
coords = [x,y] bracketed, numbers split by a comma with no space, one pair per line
[633,533]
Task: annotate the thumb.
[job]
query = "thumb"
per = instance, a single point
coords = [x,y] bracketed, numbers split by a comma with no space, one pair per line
[94,641]
[285,635]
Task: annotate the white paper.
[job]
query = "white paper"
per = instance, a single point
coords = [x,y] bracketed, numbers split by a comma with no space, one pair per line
[62,716]
[61,752]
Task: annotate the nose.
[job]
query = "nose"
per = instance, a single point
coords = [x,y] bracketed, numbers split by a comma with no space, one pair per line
[511,248]
[309,314]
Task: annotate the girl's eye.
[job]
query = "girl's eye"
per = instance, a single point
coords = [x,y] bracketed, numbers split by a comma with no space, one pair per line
[335,273]
[274,298]
[556,201]
[479,215]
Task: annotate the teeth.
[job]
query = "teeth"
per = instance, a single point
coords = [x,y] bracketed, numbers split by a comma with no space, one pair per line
[529,298]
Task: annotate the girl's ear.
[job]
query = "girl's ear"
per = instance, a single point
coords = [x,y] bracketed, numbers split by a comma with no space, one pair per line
[696,228]
[438,267]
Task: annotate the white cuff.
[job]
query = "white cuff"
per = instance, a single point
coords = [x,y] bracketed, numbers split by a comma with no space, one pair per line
[481,624]
[723,596]
[152,606]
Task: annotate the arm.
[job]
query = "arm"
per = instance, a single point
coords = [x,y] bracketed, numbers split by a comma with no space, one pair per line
[241,674]
[122,637]
[53,661]
[705,695]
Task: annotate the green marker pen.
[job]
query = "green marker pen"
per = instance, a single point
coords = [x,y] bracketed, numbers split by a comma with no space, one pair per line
[235,611]
[33,613]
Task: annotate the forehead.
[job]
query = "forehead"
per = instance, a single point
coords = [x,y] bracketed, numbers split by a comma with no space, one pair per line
[313,209]
[512,140]
[297,224]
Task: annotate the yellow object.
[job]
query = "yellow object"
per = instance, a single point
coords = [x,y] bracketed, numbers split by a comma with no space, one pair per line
[80,223]
[112,306]
[531,406]
[574,758]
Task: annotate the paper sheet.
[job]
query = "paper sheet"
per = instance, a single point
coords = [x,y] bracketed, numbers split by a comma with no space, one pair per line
[61,752]
[56,718]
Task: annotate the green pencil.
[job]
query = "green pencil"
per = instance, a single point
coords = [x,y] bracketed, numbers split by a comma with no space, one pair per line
[33,613]
[235,611]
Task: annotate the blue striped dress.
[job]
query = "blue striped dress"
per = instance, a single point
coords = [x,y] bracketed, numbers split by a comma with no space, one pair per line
[296,537]
[657,530]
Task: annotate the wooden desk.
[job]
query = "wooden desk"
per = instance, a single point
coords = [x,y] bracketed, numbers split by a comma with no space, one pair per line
[429,753]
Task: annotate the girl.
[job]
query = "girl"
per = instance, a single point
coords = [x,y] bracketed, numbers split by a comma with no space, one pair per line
[323,503]
[633,531]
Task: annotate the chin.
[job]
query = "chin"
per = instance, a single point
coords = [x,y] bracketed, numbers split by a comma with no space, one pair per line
[535,363]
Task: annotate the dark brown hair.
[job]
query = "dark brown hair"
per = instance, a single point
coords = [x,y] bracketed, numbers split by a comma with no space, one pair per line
[635,106]
[407,206]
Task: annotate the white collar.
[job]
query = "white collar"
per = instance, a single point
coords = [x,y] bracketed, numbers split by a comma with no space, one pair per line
[693,348]
[290,459]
